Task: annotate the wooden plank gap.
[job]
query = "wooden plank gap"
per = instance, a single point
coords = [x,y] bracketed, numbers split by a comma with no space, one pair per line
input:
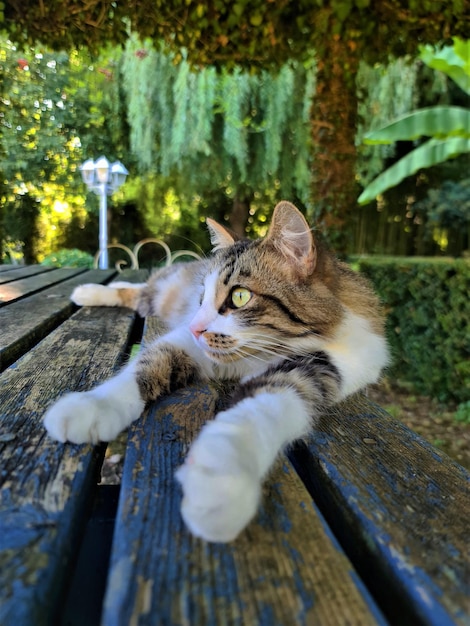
[84,596]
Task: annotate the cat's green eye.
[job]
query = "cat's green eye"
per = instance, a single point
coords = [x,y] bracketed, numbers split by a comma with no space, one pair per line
[240,297]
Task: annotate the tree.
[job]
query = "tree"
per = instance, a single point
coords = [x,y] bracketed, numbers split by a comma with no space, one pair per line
[35,123]
[266,34]
[51,109]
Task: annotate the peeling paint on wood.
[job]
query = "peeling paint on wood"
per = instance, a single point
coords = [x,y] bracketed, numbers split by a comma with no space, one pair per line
[400,507]
[285,568]
[46,487]
[27,321]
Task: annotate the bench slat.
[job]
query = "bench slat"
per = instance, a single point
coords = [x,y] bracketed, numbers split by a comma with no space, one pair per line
[8,267]
[46,487]
[11,273]
[20,288]
[400,507]
[283,569]
[27,321]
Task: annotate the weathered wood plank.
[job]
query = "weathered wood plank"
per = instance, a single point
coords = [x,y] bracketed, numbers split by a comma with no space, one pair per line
[15,272]
[20,288]
[25,322]
[284,569]
[10,266]
[400,507]
[46,487]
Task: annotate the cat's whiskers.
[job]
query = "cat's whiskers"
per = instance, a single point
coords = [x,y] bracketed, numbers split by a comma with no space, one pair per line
[275,346]
[262,349]
[295,346]
[259,356]
[257,347]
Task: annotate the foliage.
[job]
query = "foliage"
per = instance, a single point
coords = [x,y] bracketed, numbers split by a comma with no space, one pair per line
[265,35]
[203,142]
[165,214]
[448,127]
[439,121]
[53,108]
[241,32]
[405,221]
[454,61]
[428,309]
[37,134]
[218,127]
[69,258]
[447,209]
[463,412]
[431,153]
[386,91]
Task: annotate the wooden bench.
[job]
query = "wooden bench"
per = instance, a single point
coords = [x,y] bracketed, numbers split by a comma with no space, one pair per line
[364,523]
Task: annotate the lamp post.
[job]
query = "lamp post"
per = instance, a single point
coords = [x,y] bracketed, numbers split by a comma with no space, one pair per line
[103,178]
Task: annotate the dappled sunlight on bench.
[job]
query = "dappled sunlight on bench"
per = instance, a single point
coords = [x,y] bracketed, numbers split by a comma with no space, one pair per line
[9,292]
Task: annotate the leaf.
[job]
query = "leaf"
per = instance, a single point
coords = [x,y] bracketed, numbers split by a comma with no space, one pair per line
[428,154]
[462,49]
[454,61]
[437,121]
[341,8]
[256,19]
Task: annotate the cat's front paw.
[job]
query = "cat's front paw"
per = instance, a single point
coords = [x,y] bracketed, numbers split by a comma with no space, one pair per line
[89,295]
[81,418]
[221,492]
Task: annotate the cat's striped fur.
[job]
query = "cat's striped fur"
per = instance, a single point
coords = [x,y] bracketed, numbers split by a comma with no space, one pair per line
[297,328]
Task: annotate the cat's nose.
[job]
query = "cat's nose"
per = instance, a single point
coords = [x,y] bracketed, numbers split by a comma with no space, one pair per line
[196,330]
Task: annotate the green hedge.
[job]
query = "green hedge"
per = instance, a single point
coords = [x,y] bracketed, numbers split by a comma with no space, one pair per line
[69,258]
[427,301]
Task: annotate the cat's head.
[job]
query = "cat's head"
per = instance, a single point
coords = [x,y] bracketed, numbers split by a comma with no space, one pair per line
[288,233]
[260,297]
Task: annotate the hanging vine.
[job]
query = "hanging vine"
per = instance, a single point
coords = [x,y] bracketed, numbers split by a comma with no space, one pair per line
[218,126]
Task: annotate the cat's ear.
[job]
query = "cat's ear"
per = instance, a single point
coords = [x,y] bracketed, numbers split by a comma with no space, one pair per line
[292,237]
[220,236]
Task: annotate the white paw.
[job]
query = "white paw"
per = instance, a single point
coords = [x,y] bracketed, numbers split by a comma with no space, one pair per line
[82,418]
[89,295]
[221,487]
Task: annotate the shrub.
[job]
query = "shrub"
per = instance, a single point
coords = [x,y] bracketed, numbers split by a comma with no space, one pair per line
[69,258]
[463,412]
[446,210]
[428,312]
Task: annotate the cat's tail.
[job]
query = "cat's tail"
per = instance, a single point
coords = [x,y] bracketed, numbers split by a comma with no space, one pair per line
[114,294]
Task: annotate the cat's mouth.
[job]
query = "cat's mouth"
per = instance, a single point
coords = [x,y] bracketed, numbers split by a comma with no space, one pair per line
[222,356]
[229,355]
[219,347]
[222,348]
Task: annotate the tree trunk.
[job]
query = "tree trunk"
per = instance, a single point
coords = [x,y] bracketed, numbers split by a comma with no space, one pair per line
[30,234]
[2,226]
[238,218]
[334,123]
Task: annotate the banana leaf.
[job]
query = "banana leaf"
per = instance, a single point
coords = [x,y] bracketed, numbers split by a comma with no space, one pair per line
[437,121]
[452,60]
[428,154]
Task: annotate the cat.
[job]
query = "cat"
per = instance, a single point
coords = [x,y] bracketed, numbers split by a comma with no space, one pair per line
[298,329]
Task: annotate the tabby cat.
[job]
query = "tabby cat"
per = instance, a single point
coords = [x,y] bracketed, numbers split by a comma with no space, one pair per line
[296,327]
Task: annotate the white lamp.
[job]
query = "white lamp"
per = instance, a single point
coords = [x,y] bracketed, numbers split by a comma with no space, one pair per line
[103,179]
[118,174]
[102,169]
